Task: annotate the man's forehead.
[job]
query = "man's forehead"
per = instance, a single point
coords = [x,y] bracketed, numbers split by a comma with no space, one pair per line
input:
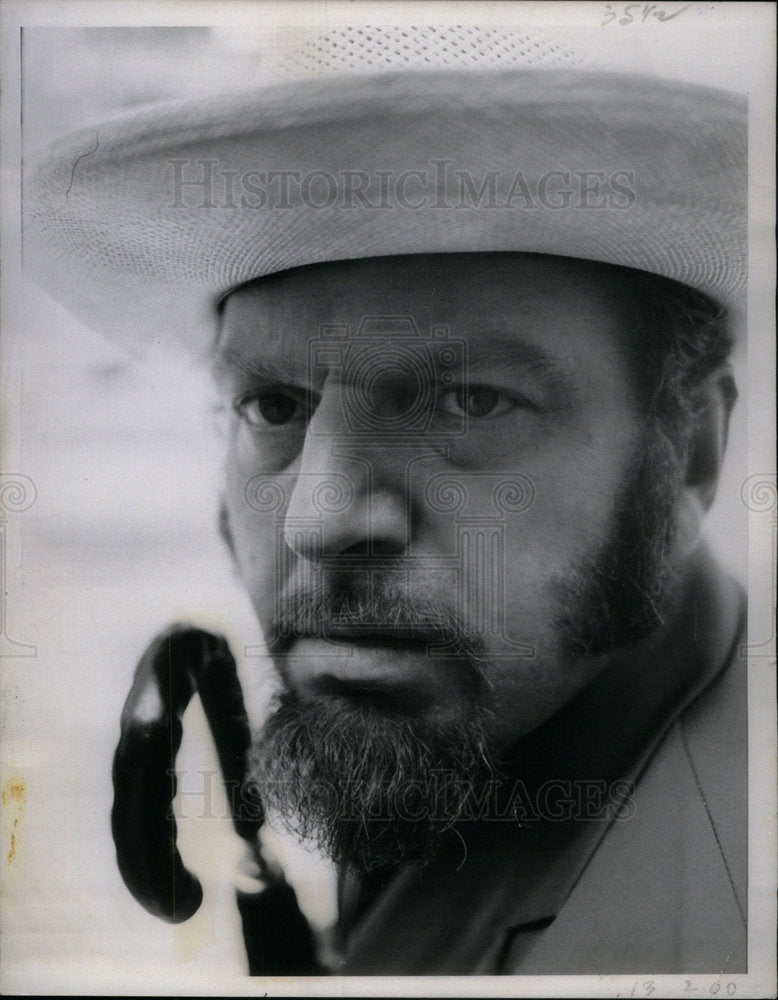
[525,273]
[499,296]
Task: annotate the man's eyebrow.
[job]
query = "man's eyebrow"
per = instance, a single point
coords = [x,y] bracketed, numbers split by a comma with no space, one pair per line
[228,362]
[493,354]
[512,355]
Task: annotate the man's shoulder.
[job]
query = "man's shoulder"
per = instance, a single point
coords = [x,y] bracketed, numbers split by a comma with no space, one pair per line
[713,733]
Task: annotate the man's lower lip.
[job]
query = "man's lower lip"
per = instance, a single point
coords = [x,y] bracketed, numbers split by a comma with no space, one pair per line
[375,641]
[392,647]
[369,659]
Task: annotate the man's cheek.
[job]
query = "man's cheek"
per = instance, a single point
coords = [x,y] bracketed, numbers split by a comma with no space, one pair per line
[255,541]
[527,608]
[262,576]
[534,563]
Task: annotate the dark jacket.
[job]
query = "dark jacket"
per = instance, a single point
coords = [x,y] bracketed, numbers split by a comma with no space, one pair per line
[635,858]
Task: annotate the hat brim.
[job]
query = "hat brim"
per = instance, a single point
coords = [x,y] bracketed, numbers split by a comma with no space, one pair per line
[141,225]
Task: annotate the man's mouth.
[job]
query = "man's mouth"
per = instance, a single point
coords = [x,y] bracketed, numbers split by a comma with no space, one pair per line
[398,637]
[385,694]
[395,645]
[390,636]
[391,668]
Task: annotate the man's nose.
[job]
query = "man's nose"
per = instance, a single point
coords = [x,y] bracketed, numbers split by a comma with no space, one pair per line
[349,494]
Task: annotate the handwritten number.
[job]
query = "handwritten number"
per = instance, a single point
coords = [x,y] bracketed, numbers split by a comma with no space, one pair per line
[646,11]
[648,988]
[662,16]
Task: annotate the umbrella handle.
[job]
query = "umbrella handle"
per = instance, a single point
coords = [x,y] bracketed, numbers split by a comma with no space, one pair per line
[179,661]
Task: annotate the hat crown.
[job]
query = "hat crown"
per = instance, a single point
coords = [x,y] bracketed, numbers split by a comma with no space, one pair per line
[378,48]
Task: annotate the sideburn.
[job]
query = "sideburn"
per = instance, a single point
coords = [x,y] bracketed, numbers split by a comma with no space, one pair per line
[623,594]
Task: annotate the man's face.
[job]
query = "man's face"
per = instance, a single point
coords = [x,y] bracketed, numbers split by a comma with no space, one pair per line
[415,514]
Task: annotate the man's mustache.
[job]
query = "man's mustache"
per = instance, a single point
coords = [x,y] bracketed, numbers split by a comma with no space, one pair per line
[330,609]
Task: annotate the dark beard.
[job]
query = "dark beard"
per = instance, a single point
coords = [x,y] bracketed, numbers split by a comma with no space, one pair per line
[375,788]
[369,787]
[624,593]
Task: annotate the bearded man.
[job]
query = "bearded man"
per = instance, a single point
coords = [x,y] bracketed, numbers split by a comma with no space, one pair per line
[471,341]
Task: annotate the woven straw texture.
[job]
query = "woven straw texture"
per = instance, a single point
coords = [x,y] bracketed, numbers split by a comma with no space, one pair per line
[140,225]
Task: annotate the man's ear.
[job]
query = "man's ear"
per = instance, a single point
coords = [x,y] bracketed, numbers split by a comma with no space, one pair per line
[713,402]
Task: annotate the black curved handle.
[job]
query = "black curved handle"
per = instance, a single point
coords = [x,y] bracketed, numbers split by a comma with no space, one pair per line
[178,662]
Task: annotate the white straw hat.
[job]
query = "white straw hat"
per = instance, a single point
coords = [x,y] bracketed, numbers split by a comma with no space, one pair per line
[141,225]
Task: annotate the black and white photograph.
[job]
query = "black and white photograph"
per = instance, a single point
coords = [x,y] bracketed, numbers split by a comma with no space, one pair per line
[388,512]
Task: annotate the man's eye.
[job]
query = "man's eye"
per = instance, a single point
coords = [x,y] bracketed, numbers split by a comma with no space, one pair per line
[270,408]
[476,401]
